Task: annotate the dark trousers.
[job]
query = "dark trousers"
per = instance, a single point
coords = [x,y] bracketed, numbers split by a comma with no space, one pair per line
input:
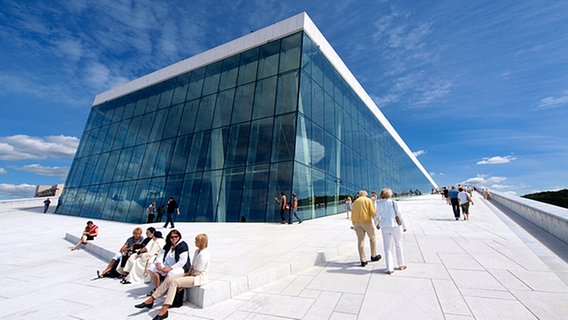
[455,206]
[170,220]
[293,212]
[283,214]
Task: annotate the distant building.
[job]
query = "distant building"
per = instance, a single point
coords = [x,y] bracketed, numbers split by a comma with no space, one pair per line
[225,131]
[49,191]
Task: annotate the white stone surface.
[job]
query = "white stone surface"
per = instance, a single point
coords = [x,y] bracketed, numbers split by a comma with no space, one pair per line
[485,268]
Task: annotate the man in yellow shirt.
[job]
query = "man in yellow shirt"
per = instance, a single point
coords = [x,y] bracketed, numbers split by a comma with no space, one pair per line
[362,218]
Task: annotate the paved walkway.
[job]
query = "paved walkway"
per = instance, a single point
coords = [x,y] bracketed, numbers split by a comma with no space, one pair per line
[485,268]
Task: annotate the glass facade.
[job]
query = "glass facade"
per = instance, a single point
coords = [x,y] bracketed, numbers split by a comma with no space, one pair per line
[225,139]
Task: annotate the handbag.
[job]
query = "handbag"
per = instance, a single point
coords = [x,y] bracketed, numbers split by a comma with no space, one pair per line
[396,217]
[178,299]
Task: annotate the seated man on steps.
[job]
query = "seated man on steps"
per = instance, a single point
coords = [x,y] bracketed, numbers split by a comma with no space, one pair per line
[128,247]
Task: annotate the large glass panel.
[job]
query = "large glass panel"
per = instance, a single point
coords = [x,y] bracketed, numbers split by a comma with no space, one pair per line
[167,93]
[179,157]
[229,73]
[122,165]
[318,105]
[304,141]
[205,114]
[287,95]
[191,192]
[133,127]
[180,90]
[145,128]
[331,155]
[318,151]
[153,99]
[128,109]
[217,148]
[211,84]
[329,119]
[284,136]
[319,186]
[255,194]
[110,169]
[209,195]
[303,188]
[147,166]
[308,52]
[243,103]
[290,52]
[173,187]
[268,60]
[161,166]
[280,181]
[172,124]
[109,139]
[260,141]
[159,124]
[198,154]
[141,103]
[230,202]
[135,161]
[187,121]
[196,84]
[223,108]
[118,110]
[99,171]
[328,77]
[305,99]
[264,98]
[238,145]
[248,66]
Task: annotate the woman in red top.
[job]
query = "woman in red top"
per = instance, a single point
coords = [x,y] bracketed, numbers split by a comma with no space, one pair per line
[90,232]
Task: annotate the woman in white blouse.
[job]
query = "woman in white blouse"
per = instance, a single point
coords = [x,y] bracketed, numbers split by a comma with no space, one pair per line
[197,276]
[385,220]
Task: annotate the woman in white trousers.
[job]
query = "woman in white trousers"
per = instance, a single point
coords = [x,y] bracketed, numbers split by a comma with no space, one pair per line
[385,220]
[197,276]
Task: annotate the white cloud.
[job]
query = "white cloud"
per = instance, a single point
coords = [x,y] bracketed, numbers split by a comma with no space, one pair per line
[552,102]
[23,147]
[46,171]
[484,180]
[418,153]
[16,191]
[3,171]
[496,160]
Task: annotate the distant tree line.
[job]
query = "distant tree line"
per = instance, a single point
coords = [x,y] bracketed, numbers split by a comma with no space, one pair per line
[557,198]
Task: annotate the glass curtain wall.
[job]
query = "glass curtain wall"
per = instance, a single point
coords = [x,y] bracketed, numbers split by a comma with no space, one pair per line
[225,139]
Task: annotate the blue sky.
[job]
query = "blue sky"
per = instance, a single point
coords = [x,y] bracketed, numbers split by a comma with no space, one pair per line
[477,89]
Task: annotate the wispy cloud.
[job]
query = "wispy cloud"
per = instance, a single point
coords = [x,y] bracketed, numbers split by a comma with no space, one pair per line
[23,147]
[3,171]
[552,102]
[484,180]
[496,160]
[418,153]
[60,172]
[16,191]
[405,49]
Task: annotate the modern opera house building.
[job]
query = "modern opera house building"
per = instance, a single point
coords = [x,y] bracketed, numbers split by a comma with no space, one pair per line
[224,132]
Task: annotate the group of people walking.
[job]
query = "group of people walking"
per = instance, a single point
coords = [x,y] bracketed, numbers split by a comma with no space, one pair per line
[459,199]
[290,207]
[370,214]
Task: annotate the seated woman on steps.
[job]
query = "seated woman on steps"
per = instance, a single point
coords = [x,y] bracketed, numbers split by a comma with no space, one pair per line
[196,276]
[90,232]
[173,260]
